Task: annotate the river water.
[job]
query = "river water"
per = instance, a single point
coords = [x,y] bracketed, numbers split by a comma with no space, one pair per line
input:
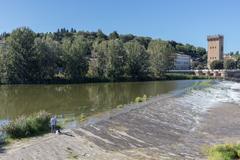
[79,100]
[186,115]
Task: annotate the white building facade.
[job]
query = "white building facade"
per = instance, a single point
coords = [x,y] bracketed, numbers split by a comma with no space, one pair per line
[182,62]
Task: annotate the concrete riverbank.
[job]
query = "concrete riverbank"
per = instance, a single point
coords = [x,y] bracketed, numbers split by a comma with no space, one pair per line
[161,128]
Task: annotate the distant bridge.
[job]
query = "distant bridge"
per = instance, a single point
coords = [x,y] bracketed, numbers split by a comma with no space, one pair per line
[211,73]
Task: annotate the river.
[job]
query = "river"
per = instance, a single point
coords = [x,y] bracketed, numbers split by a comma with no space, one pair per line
[186,117]
[78,101]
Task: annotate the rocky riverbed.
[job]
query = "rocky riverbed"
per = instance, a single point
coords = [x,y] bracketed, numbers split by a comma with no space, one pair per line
[176,126]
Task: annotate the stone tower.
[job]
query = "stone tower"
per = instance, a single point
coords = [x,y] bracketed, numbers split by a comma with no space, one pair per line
[215,48]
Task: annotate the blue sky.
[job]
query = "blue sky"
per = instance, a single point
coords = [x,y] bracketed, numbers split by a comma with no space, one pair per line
[186,21]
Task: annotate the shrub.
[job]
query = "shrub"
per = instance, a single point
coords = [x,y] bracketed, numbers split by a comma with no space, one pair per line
[216,64]
[224,152]
[141,99]
[230,64]
[183,76]
[26,126]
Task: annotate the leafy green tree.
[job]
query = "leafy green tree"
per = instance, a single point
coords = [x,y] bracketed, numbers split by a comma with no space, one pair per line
[101,35]
[4,35]
[116,63]
[181,48]
[238,63]
[197,65]
[137,60]
[161,57]
[36,57]
[127,37]
[2,67]
[99,59]
[109,59]
[114,35]
[47,53]
[75,58]
[230,64]
[216,64]
[201,51]
[21,58]
[144,41]
[203,59]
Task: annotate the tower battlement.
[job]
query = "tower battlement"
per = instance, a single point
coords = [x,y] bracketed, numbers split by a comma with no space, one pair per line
[215,37]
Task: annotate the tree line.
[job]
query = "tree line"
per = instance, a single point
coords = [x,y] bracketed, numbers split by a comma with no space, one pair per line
[78,56]
[232,63]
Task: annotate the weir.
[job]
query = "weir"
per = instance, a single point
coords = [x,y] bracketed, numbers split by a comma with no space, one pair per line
[164,127]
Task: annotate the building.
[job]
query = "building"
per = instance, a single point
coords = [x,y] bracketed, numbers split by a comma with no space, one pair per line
[182,62]
[215,48]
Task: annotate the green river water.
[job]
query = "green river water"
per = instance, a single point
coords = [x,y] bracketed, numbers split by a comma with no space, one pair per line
[80,100]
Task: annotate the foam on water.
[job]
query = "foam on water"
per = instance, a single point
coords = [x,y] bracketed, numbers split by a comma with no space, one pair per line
[200,100]
[220,92]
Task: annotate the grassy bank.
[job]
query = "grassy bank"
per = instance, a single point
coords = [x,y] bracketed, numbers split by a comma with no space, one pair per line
[164,77]
[28,126]
[224,152]
[182,76]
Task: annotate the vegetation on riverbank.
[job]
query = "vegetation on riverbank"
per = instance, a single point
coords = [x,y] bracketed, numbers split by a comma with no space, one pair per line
[27,126]
[233,63]
[181,76]
[224,152]
[141,99]
[73,57]
[206,83]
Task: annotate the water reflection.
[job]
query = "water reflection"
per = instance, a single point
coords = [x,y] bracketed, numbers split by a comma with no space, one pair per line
[79,99]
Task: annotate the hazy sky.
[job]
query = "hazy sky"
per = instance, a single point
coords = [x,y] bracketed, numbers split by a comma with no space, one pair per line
[186,21]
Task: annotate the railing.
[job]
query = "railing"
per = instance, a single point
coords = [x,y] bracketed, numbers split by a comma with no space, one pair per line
[235,73]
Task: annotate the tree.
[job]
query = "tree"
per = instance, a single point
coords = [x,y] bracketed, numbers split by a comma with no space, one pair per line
[161,56]
[30,57]
[181,48]
[75,57]
[47,52]
[4,35]
[2,66]
[116,60]
[127,37]
[137,60]
[216,64]
[144,41]
[238,63]
[114,35]
[197,65]
[201,51]
[110,60]
[21,58]
[101,35]
[99,59]
[230,64]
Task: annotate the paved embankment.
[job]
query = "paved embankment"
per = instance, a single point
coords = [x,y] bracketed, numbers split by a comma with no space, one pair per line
[162,128]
